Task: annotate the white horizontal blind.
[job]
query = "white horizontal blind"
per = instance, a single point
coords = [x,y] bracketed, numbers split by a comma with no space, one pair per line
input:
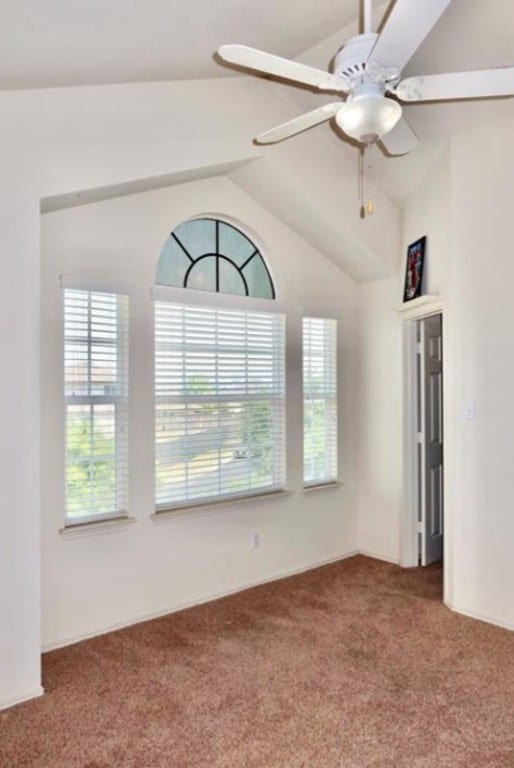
[219,388]
[319,401]
[96,401]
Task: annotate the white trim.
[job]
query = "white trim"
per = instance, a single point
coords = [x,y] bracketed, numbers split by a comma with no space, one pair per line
[479,616]
[36,693]
[408,527]
[423,306]
[376,556]
[209,507]
[82,343]
[320,346]
[191,604]
[331,485]
[307,314]
[99,285]
[249,585]
[189,296]
[93,527]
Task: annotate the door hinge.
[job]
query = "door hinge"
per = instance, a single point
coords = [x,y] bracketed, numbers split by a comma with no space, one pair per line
[420,527]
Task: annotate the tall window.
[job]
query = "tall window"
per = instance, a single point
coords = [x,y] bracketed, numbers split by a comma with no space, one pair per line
[319,401]
[219,386]
[95,390]
[219,373]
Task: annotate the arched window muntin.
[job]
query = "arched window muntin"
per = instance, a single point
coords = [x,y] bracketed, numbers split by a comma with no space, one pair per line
[210,253]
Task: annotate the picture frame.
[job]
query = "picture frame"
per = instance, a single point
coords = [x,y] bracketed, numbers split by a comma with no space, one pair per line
[414,269]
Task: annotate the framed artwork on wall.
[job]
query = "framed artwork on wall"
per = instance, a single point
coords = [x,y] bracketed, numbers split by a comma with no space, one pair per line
[414,269]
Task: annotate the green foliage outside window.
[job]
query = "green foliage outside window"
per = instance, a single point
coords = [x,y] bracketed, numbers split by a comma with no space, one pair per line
[90,467]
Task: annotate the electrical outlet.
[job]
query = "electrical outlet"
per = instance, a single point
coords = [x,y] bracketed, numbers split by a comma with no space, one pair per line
[470,411]
[255,540]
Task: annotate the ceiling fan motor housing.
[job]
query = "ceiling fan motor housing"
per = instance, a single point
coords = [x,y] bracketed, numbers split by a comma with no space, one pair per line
[368,114]
[351,59]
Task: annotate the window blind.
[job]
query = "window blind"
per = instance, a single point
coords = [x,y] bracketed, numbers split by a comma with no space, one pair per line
[96,403]
[219,390]
[319,400]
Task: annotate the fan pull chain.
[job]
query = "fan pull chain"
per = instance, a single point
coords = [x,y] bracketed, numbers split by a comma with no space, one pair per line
[369,206]
[361,184]
[366,204]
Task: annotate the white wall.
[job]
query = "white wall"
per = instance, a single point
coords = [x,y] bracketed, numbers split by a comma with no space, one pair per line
[481,532]
[94,582]
[464,207]
[62,141]
[429,212]
[19,446]
[104,135]
[67,140]
[381,366]
[380,414]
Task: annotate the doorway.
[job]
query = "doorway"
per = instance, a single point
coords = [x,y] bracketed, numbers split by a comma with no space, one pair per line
[424,442]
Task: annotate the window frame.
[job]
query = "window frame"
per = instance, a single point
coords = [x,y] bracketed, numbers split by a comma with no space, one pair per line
[330,479]
[212,300]
[216,253]
[120,402]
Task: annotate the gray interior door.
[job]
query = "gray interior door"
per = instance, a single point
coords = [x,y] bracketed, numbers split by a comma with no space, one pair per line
[431,527]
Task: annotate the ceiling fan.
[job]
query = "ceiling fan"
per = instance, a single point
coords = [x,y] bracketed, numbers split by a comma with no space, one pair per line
[367,74]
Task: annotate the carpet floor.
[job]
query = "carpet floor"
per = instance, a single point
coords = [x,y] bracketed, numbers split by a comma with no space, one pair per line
[353,665]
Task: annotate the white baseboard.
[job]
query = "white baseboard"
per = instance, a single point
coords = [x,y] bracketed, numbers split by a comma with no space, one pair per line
[241,588]
[479,616]
[182,606]
[5,703]
[376,556]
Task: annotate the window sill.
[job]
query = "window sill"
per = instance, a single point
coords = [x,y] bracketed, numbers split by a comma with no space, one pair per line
[95,527]
[322,486]
[208,508]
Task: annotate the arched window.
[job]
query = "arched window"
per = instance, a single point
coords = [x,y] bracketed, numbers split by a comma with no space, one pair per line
[212,255]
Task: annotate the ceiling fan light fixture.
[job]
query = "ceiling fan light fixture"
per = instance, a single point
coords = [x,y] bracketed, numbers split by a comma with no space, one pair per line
[368,116]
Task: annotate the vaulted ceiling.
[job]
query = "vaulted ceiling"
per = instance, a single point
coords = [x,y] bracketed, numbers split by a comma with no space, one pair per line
[57,43]
[78,42]
[74,43]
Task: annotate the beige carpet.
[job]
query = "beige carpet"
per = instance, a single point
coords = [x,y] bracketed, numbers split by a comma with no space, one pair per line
[353,665]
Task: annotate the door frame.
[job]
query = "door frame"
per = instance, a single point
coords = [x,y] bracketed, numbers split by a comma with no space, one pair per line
[409,549]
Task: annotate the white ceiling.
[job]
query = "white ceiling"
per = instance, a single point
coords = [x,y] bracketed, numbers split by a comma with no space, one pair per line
[45,43]
[79,42]
[73,42]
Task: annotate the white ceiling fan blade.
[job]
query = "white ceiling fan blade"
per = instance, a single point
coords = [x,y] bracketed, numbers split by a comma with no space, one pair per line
[400,140]
[251,58]
[405,29]
[458,85]
[298,124]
